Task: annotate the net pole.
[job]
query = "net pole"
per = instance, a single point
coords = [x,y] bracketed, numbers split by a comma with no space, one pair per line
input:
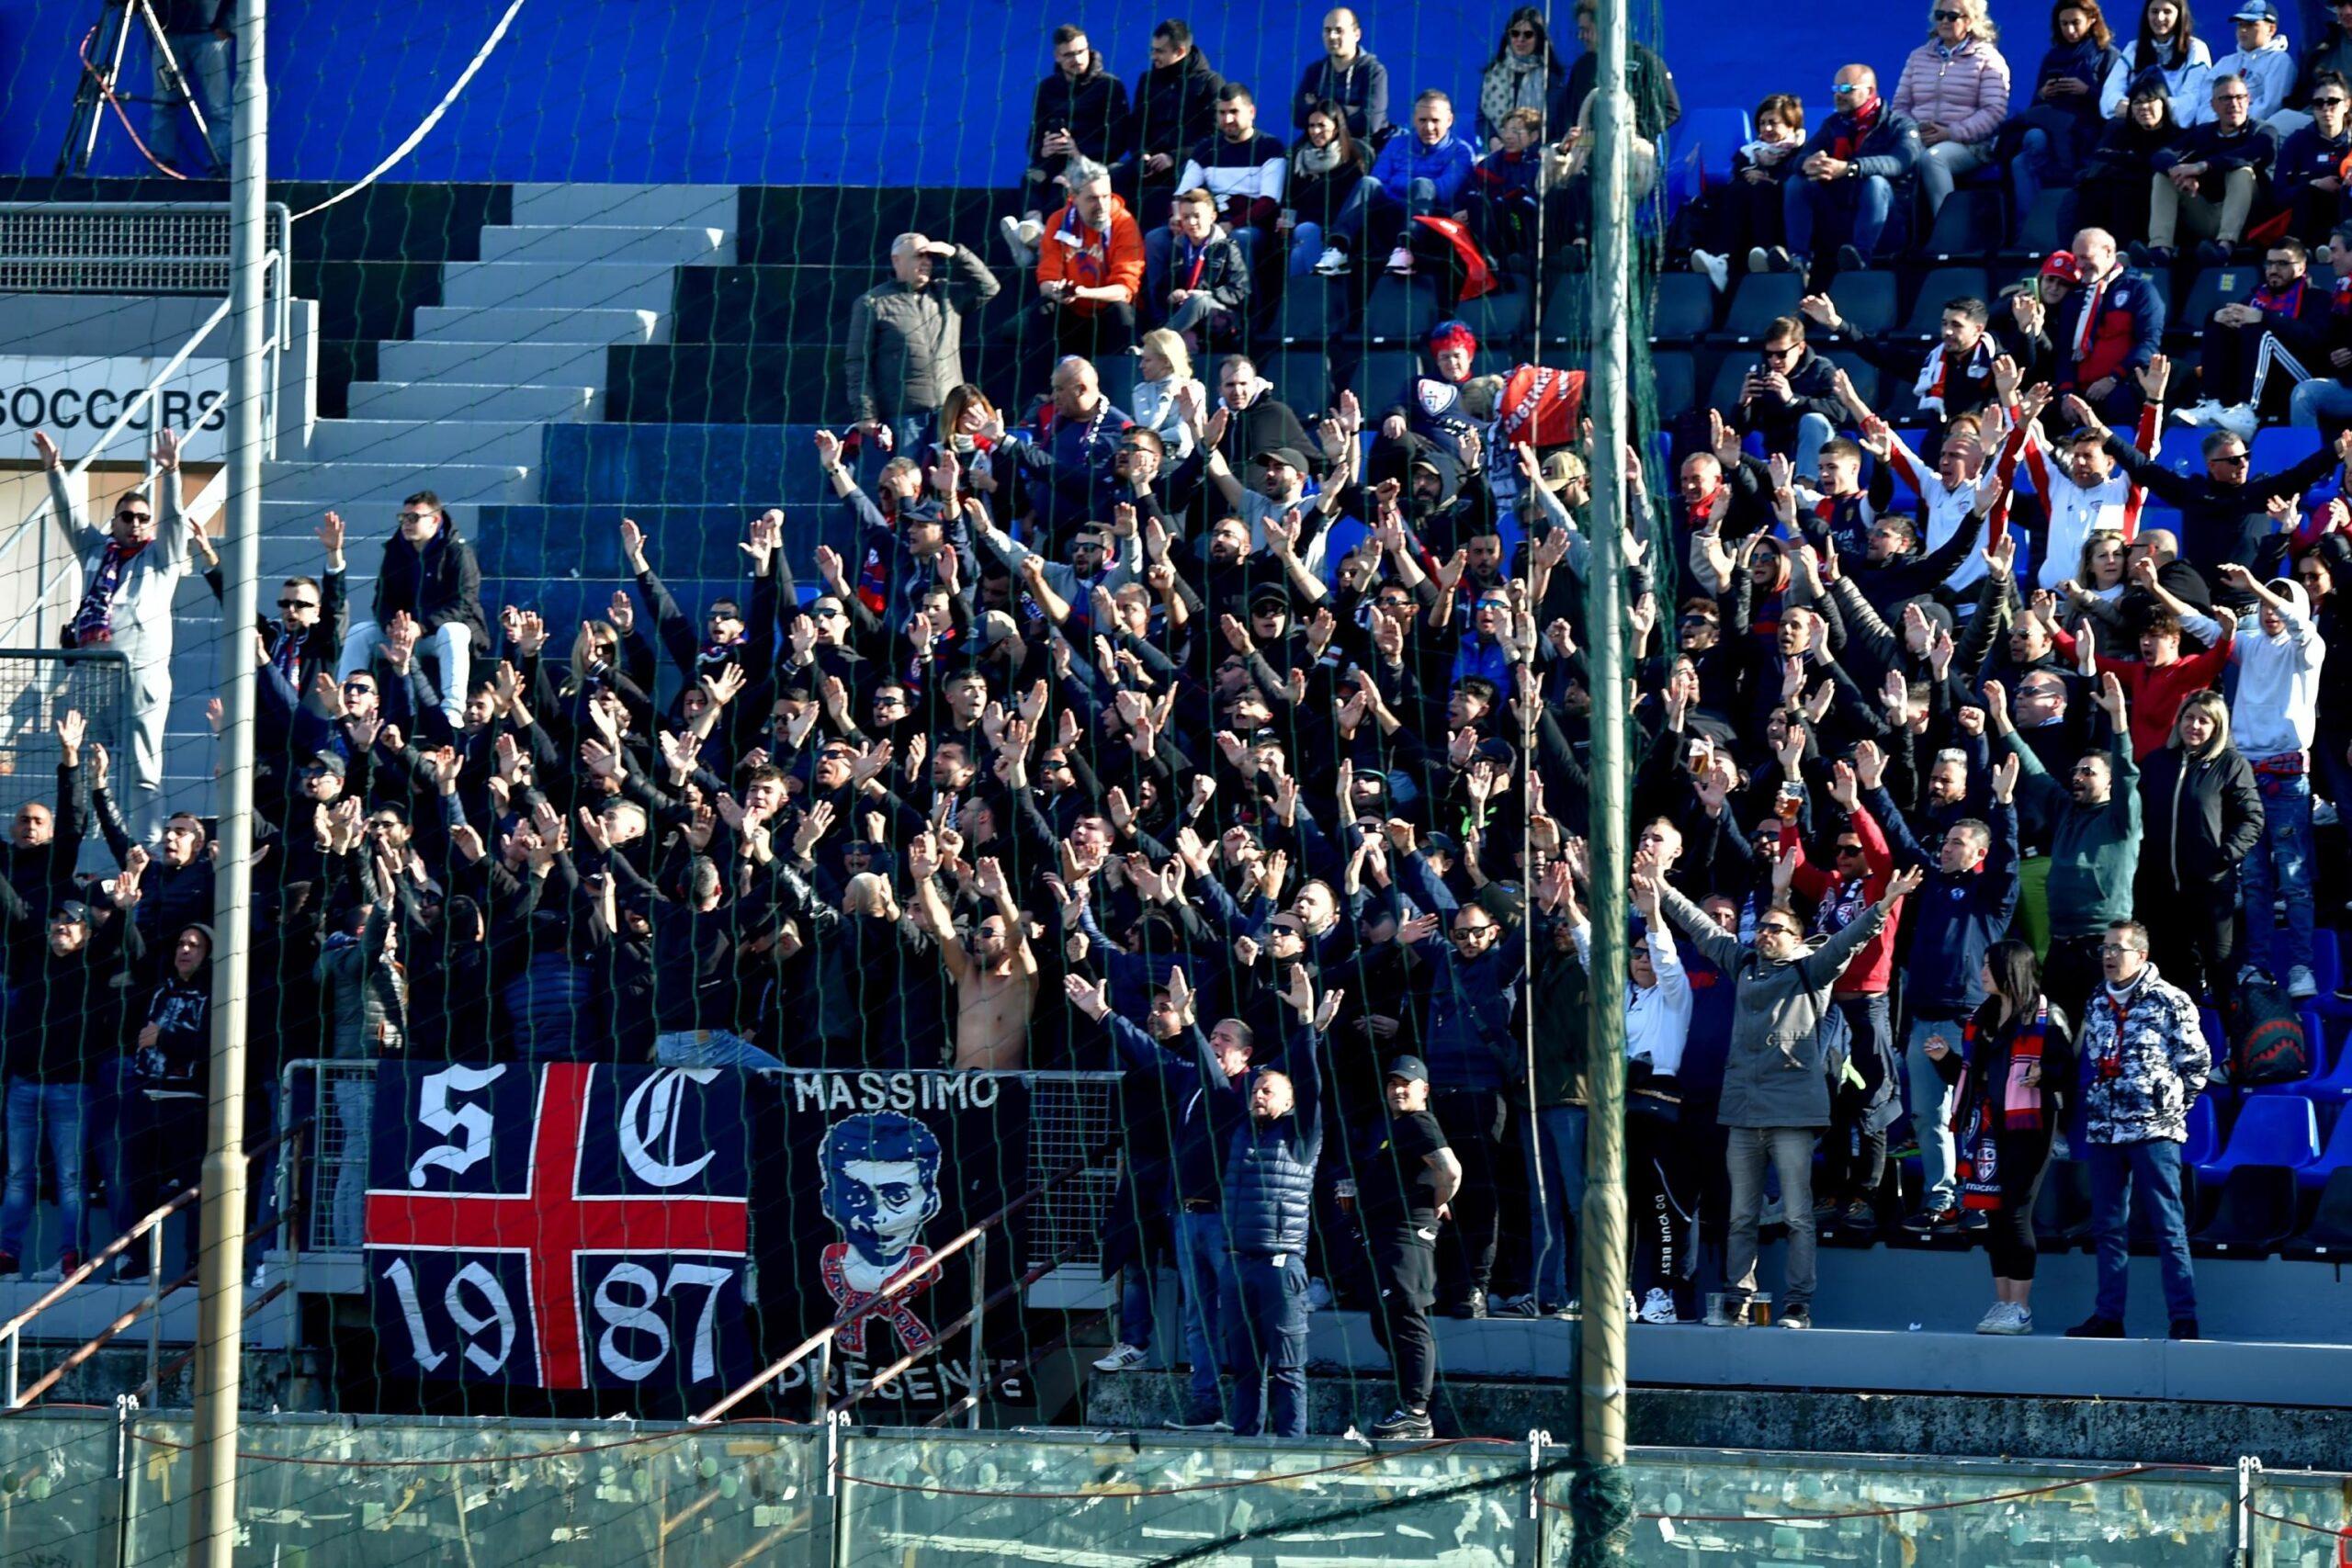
[222,1246]
[1602,1235]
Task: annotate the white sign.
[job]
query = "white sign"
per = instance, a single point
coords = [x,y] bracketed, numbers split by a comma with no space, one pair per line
[76,399]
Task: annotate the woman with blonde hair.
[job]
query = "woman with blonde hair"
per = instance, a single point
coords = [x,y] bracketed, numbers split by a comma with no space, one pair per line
[1957,86]
[965,419]
[2200,816]
[1164,368]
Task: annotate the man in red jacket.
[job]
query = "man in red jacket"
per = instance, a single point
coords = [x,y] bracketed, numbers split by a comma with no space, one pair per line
[2109,328]
[1861,1113]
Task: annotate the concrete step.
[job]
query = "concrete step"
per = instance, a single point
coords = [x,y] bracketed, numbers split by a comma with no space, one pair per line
[464,400]
[364,491]
[571,244]
[562,286]
[425,441]
[548,204]
[292,524]
[518,323]
[475,363]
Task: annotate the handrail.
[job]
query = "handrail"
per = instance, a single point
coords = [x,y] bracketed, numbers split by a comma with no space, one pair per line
[13,1330]
[897,1286]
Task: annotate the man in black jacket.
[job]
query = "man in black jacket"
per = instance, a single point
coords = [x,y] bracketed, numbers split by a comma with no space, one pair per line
[1080,111]
[1174,108]
[1348,75]
[431,574]
[1790,397]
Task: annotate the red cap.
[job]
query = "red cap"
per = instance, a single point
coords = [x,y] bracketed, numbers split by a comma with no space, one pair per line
[2062,265]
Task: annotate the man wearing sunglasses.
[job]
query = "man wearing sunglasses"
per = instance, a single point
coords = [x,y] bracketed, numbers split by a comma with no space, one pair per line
[129,571]
[2307,176]
[306,638]
[1847,174]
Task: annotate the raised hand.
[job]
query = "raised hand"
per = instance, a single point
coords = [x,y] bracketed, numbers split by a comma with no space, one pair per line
[1091,998]
[632,544]
[1870,764]
[1901,884]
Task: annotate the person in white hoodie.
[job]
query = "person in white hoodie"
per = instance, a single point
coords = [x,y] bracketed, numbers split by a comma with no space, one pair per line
[2273,717]
[1662,1205]
[2264,59]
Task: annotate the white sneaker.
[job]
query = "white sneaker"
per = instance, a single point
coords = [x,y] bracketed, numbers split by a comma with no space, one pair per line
[2013,1319]
[1524,1305]
[2324,813]
[1760,259]
[2301,985]
[1400,261]
[2197,413]
[2240,420]
[1717,268]
[1659,1307]
[1319,1296]
[1995,1317]
[1122,1358]
[52,1275]
[1332,263]
[1021,237]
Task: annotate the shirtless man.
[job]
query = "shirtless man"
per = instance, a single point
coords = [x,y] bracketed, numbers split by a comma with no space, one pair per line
[994,970]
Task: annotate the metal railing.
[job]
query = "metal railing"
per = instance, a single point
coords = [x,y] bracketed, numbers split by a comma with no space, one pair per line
[150,1230]
[38,685]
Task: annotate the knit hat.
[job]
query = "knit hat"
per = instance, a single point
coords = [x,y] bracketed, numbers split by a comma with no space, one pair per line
[1453,332]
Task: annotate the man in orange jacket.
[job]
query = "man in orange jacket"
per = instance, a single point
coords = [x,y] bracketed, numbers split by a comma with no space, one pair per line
[1090,271]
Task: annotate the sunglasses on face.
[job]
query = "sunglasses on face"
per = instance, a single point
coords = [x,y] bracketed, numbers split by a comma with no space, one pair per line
[2230,459]
[298,604]
[1776,929]
[2333,100]
[134,517]
[362,687]
[1949,16]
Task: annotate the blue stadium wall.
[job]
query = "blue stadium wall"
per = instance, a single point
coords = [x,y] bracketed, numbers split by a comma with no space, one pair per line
[907,93]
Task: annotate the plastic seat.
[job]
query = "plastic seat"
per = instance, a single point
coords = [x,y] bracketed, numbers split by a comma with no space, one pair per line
[2328,964]
[2328,1238]
[1116,373]
[1684,310]
[1301,377]
[1674,380]
[1500,318]
[2281,1130]
[1866,300]
[1704,141]
[1730,376]
[2333,1086]
[1315,310]
[1376,376]
[2050,226]
[2336,1156]
[1970,223]
[2204,1133]
[2214,288]
[1760,298]
[1401,311]
[1861,372]
[2254,1215]
[1941,284]
[2281,446]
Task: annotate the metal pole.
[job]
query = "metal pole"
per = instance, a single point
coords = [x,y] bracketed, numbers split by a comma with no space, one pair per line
[1602,1343]
[221,1255]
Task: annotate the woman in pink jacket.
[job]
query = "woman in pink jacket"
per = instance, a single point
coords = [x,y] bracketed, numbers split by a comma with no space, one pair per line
[1957,86]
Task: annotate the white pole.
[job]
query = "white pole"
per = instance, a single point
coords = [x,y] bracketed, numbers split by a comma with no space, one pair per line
[220,1256]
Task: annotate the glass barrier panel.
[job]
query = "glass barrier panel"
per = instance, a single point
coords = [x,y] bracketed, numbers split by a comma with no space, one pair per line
[59,1500]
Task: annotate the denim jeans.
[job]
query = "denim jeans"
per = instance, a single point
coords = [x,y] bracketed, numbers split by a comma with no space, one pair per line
[1946,162]
[1136,1282]
[355,1108]
[1789,1151]
[2029,168]
[449,648]
[1805,203]
[61,1111]
[2153,1169]
[1931,1109]
[1204,1268]
[709,1048]
[2320,401]
[1555,1180]
[204,64]
[2280,867]
[1380,218]
[1814,431]
[1264,1307]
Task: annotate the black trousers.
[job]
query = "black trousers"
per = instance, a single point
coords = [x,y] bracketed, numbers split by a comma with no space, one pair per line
[1404,1262]
[1661,1204]
[2072,974]
[1472,1122]
[2192,931]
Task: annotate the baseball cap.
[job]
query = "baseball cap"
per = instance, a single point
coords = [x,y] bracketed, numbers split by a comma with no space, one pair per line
[325,762]
[1412,1069]
[1498,751]
[2256,11]
[1561,468]
[1439,843]
[69,911]
[1289,456]
[1270,593]
[2062,265]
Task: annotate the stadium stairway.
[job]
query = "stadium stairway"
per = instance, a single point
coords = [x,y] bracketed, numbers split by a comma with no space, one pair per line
[507,334]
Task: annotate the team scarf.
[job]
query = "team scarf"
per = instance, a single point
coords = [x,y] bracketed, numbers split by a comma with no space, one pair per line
[2286,301]
[1848,140]
[2020,1109]
[94,620]
[1934,384]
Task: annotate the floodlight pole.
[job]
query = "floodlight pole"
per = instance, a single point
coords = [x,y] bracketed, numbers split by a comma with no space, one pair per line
[1602,1229]
[221,1246]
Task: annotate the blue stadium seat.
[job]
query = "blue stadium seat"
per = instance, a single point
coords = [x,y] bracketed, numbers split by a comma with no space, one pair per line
[1301,377]
[2280,447]
[2214,288]
[2336,1156]
[1971,224]
[1865,300]
[2204,1133]
[1376,376]
[1730,375]
[1400,310]
[2253,1215]
[1674,375]
[1502,320]
[1941,284]
[2050,226]
[1684,309]
[2281,1130]
[1859,371]
[2334,1086]
[1314,311]
[1760,296]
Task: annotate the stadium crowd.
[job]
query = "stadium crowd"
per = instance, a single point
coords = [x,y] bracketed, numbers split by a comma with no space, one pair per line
[1242,746]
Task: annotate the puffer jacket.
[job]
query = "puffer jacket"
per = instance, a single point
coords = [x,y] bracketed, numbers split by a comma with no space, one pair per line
[2200,817]
[1966,90]
[1775,1076]
[1270,1166]
[904,345]
[2143,1059]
